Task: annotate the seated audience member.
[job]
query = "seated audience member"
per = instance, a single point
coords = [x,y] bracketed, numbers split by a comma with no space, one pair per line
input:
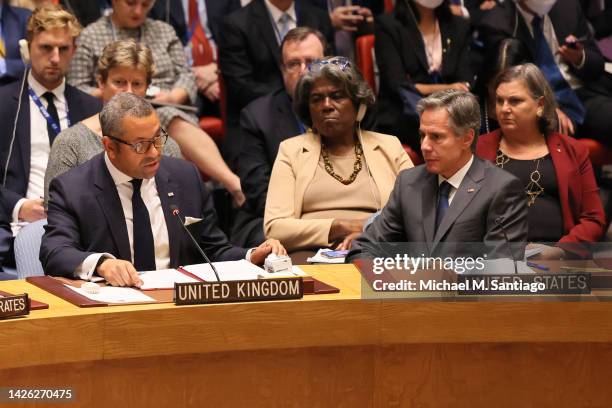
[13,22]
[196,23]
[113,215]
[454,197]
[472,9]
[599,14]
[87,11]
[250,56]
[35,109]
[327,182]
[264,124]
[558,40]
[173,83]
[559,186]
[420,48]
[125,66]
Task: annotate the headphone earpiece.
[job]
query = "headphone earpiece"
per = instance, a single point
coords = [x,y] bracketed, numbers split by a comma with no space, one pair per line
[24,51]
[361,112]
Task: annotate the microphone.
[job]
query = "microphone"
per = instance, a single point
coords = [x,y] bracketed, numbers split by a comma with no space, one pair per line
[500,221]
[177,213]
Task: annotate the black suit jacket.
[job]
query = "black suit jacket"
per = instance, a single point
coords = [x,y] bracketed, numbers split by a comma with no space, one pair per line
[6,236]
[215,11]
[14,21]
[85,217]
[485,194]
[264,124]
[80,106]
[567,18]
[250,57]
[86,11]
[402,63]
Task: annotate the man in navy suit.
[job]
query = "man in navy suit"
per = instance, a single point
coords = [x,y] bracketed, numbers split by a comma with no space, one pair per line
[35,109]
[115,214]
[13,21]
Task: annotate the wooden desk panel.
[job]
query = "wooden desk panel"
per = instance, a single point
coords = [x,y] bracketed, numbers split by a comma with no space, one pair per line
[322,351]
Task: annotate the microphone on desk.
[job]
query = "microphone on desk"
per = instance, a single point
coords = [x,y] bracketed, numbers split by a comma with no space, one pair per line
[500,221]
[177,213]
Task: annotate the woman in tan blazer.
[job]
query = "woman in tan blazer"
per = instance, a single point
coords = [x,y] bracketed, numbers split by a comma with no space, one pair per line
[328,181]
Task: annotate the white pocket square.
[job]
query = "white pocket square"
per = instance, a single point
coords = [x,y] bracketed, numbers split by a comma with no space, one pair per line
[191,220]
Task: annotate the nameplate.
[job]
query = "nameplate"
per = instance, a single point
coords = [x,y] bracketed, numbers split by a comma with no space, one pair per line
[11,306]
[195,293]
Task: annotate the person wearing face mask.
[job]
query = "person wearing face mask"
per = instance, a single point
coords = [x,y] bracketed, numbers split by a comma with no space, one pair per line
[557,38]
[421,48]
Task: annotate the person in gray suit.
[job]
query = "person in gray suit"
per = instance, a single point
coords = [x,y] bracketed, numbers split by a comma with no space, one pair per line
[454,197]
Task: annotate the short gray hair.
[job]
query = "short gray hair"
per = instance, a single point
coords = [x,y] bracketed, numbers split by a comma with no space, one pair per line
[345,76]
[462,107]
[121,105]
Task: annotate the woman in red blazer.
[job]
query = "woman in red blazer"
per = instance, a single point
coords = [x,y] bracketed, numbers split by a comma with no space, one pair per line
[560,187]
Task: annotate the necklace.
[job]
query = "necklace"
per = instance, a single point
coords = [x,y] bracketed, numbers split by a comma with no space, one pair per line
[329,168]
[533,189]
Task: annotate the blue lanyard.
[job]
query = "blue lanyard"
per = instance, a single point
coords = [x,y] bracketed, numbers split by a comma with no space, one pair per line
[54,125]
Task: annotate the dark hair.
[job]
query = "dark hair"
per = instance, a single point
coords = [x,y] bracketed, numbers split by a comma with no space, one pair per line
[346,77]
[299,34]
[538,87]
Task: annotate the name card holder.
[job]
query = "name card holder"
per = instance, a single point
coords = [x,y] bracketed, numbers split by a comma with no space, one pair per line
[197,293]
[13,306]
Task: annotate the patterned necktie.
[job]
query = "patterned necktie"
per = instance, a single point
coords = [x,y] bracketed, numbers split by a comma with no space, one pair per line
[443,192]
[564,94]
[52,110]
[201,51]
[144,249]
[283,25]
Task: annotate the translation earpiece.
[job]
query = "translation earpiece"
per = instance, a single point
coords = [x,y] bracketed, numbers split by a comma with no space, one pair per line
[24,51]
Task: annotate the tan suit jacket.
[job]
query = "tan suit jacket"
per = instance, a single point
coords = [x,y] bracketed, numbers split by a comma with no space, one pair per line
[293,171]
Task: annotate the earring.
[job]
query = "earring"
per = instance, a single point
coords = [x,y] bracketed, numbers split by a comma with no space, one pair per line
[539,112]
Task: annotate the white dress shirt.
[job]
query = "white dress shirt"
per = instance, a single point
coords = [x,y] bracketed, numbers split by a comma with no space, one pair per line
[277,13]
[150,196]
[456,179]
[39,139]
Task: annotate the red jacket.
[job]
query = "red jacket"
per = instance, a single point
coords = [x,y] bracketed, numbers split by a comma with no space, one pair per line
[584,219]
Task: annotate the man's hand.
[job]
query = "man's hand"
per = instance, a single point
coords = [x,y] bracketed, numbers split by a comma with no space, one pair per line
[460,86]
[566,126]
[548,252]
[456,9]
[571,55]
[118,272]
[259,254]
[347,18]
[213,92]
[206,75]
[487,4]
[32,210]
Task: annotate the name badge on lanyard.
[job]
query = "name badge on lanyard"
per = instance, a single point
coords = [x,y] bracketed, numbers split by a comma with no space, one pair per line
[54,125]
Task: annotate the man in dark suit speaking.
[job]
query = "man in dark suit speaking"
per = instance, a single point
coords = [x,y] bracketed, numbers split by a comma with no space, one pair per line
[115,214]
[454,197]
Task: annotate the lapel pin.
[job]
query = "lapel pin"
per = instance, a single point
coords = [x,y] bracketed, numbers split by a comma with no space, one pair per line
[559,149]
[171,194]
[471,190]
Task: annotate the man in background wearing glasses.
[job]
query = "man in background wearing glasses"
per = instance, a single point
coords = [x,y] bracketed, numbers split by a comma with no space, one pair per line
[115,215]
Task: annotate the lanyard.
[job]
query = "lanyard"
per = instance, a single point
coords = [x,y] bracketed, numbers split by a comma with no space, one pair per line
[54,125]
[114,32]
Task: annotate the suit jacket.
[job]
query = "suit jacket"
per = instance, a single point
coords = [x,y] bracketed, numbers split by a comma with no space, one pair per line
[250,57]
[485,194]
[86,11]
[566,17]
[14,22]
[584,219]
[402,62]
[6,236]
[85,216]
[264,124]
[215,11]
[80,106]
[295,167]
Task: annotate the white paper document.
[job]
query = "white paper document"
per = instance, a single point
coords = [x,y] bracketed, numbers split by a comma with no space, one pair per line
[163,279]
[111,294]
[318,258]
[236,270]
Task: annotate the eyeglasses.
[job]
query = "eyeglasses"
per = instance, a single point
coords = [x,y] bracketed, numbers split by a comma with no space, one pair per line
[342,62]
[142,147]
[296,65]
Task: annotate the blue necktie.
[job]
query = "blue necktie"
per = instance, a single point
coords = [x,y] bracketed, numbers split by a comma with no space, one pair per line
[564,94]
[443,192]
[144,249]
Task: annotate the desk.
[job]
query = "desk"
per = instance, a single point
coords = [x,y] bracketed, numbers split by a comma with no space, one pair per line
[323,351]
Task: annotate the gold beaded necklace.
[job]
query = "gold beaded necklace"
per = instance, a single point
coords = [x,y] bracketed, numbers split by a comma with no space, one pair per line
[356,166]
[533,189]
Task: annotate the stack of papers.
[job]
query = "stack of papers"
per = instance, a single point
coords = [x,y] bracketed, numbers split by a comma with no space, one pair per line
[111,294]
[236,270]
[318,258]
[163,279]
